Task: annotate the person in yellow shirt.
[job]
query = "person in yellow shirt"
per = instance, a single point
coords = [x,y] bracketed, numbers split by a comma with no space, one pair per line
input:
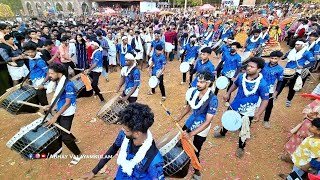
[307,151]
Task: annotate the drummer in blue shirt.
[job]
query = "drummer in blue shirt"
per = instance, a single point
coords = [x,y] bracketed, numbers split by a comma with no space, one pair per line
[299,58]
[264,35]
[203,64]
[190,55]
[251,87]
[130,76]
[226,31]
[314,47]
[157,41]
[158,66]
[254,42]
[203,104]
[122,49]
[273,74]
[230,65]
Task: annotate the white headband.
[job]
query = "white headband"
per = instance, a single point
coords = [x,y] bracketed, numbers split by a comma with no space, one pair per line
[299,42]
[94,43]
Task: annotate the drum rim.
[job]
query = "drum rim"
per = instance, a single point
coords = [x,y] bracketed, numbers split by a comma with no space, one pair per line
[106,106]
[24,130]
[12,89]
[174,135]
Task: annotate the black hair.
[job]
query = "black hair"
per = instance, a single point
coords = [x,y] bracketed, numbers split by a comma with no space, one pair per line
[258,60]
[264,28]
[206,75]
[7,37]
[3,26]
[314,34]
[48,43]
[99,33]
[137,117]
[64,38]
[276,54]
[30,46]
[301,39]
[316,123]
[237,44]
[255,31]
[231,37]
[31,31]
[58,68]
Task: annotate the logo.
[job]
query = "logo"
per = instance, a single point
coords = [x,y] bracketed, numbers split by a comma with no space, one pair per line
[43,156]
[37,156]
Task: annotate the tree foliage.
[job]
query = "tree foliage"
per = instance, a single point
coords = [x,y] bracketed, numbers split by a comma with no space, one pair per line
[15,5]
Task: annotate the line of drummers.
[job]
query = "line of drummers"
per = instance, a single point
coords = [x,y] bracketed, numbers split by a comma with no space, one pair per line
[258,85]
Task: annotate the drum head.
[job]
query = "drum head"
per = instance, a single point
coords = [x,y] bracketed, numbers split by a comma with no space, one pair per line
[167,138]
[153,82]
[184,67]
[231,120]
[222,82]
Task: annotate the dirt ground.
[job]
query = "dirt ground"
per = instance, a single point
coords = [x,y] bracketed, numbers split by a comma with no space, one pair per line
[217,156]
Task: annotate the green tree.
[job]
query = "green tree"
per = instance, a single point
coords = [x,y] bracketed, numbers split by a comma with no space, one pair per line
[15,5]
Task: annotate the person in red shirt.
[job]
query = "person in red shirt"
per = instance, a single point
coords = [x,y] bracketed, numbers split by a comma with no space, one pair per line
[169,36]
[89,52]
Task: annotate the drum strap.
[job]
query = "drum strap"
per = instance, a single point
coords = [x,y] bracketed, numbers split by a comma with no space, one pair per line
[203,107]
[52,105]
[151,153]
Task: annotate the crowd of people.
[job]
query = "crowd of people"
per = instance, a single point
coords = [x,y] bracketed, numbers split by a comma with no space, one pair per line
[52,51]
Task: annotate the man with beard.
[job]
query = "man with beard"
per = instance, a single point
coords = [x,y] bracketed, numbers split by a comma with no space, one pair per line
[204,105]
[66,108]
[272,72]
[139,157]
[251,87]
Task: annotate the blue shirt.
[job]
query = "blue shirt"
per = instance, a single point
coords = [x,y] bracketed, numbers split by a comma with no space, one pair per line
[227,34]
[70,93]
[123,51]
[192,123]
[104,44]
[265,39]
[159,62]
[315,50]
[306,57]
[154,44]
[206,41]
[200,67]
[246,105]
[252,45]
[271,74]
[154,171]
[231,64]
[225,49]
[38,69]
[133,79]
[191,52]
[97,59]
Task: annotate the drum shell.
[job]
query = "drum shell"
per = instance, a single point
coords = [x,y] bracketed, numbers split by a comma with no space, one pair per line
[26,93]
[176,161]
[80,87]
[109,112]
[217,47]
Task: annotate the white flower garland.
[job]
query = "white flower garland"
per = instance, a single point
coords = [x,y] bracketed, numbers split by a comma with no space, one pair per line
[192,102]
[254,40]
[128,165]
[256,86]
[122,51]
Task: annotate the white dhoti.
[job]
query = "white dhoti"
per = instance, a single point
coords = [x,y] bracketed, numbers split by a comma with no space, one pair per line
[139,55]
[112,59]
[168,47]
[18,73]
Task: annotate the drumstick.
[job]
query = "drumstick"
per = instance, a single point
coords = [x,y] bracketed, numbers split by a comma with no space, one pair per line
[57,125]
[106,92]
[30,104]
[78,69]
[178,126]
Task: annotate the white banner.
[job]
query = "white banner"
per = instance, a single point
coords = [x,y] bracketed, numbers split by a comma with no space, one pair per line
[147,6]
